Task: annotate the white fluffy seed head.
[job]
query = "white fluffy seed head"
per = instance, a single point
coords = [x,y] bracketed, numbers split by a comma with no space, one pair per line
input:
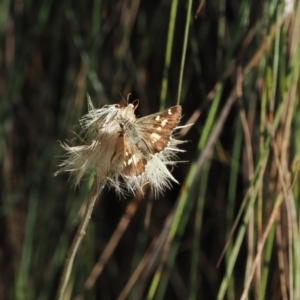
[101,150]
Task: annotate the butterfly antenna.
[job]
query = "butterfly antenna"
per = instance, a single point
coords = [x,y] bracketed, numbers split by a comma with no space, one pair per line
[126,101]
[136,103]
[128,96]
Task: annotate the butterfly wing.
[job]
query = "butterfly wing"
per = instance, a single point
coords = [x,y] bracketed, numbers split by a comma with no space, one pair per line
[156,129]
[134,160]
[151,135]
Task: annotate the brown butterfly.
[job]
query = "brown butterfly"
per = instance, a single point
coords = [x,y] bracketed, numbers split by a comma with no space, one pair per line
[141,138]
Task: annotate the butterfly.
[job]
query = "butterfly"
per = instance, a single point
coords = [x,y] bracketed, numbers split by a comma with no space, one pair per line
[141,138]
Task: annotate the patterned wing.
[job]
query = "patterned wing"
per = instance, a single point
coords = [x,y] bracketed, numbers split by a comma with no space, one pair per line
[134,160]
[156,129]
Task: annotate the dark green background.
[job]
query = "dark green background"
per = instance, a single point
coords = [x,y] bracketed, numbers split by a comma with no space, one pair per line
[54,52]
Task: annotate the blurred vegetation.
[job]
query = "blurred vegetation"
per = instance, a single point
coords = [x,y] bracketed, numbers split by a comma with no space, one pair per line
[239,187]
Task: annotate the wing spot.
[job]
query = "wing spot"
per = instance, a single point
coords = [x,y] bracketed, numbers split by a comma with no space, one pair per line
[157,118]
[164,122]
[133,160]
[155,137]
[158,128]
[169,111]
